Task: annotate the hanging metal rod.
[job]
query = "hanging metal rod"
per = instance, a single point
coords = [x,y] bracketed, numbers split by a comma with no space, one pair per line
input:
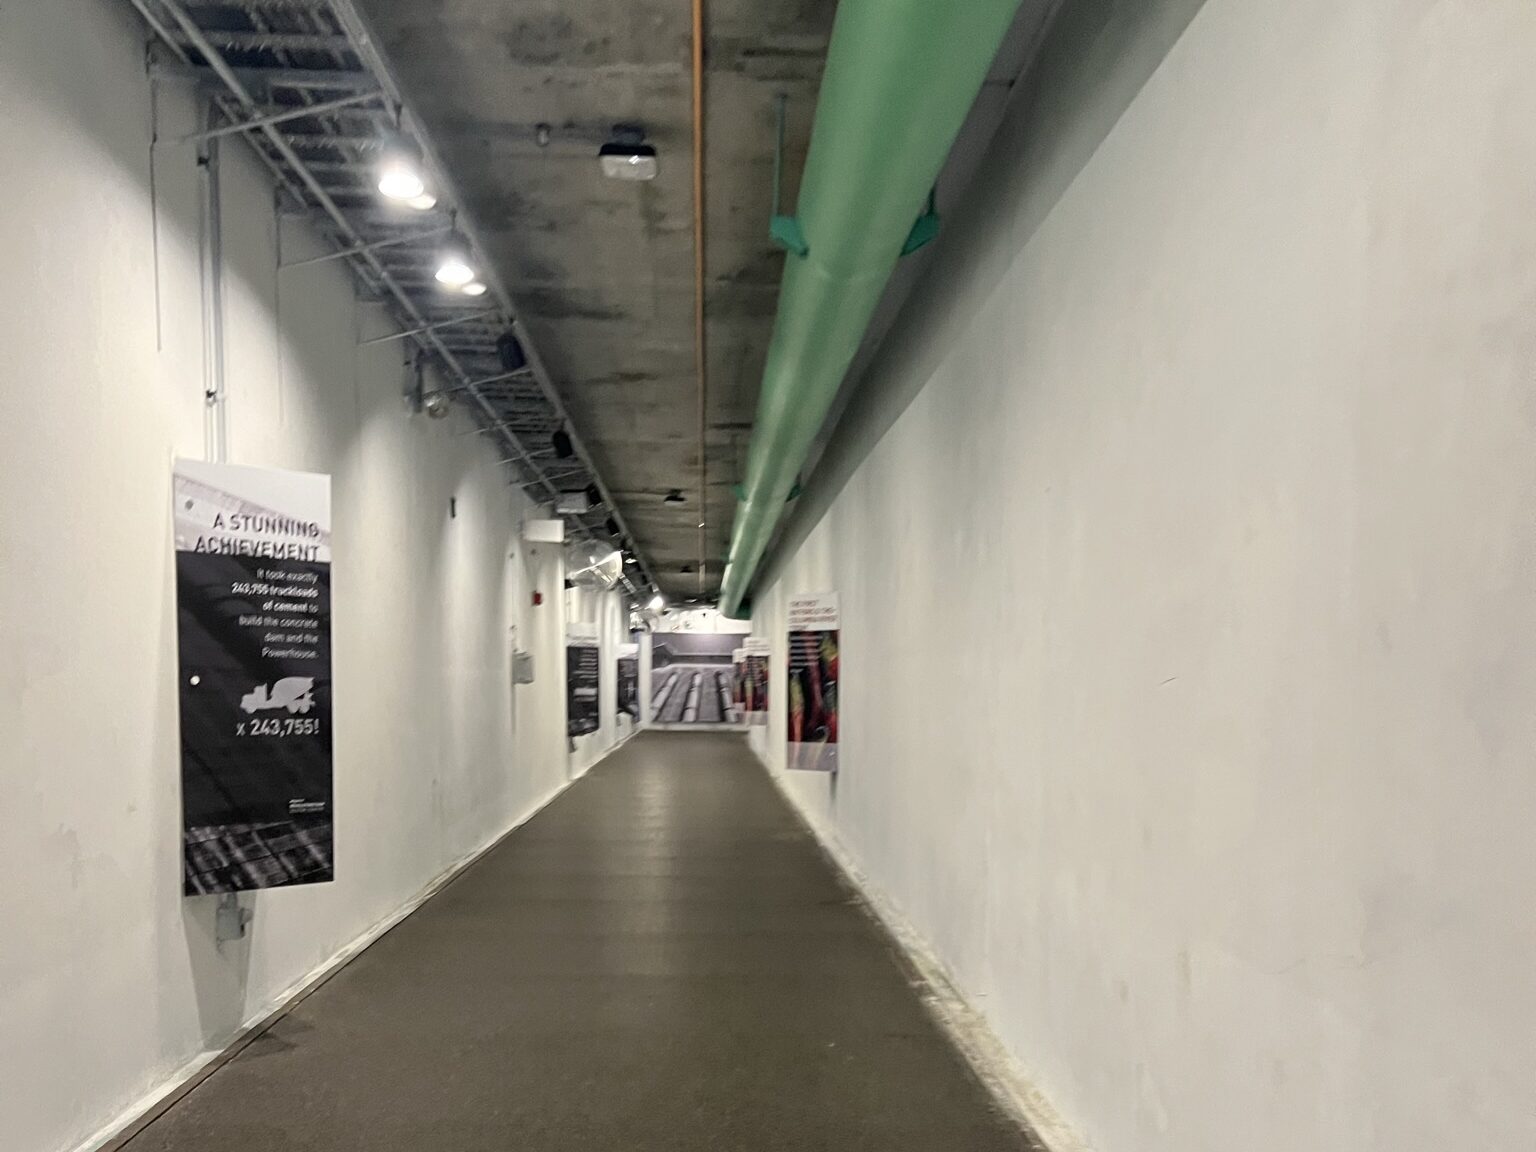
[245,5]
[275,41]
[374,247]
[424,328]
[331,140]
[484,380]
[553,475]
[334,79]
[280,117]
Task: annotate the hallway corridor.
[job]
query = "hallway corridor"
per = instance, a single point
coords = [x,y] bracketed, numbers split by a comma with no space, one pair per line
[660,961]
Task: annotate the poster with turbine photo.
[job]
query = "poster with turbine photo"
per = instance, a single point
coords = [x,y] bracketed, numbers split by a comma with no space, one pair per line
[812,682]
[692,679]
[253,629]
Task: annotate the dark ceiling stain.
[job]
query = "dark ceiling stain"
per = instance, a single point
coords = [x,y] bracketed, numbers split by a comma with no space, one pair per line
[623,378]
[552,304]
[541,41]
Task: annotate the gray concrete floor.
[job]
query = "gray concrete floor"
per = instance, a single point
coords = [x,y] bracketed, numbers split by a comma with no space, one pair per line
[660,961]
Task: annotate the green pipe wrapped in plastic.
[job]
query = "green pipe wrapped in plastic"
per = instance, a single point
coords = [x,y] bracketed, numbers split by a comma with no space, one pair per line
[900,79]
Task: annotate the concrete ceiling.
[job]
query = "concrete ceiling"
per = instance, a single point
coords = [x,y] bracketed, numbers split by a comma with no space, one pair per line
[601,271]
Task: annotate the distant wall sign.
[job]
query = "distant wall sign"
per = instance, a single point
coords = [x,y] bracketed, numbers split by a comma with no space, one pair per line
[583,664]
[813,666]
[253,612]
[753,692]
[738,682]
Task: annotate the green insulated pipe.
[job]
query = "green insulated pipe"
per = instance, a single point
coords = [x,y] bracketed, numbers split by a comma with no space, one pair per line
[901,76]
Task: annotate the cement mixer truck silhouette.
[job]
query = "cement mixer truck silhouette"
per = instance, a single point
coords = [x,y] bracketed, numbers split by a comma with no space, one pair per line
[295,693]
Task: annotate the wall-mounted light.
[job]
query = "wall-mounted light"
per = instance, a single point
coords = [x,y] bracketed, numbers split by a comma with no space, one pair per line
[453,262]
[627,156]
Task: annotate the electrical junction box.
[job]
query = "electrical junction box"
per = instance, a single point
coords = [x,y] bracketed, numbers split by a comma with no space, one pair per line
[522,667]
[544,531]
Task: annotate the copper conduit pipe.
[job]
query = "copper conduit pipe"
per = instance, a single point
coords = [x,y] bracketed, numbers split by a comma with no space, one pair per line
[699,358]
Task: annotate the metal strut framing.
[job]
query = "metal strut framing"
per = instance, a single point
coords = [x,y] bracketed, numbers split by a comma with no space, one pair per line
[304,83]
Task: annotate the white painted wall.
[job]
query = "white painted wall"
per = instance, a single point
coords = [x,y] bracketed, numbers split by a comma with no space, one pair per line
[1189,627]
[109,980]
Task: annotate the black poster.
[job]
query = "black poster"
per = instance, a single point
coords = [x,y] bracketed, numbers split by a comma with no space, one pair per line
[629,681]
[583,664]
[253,597]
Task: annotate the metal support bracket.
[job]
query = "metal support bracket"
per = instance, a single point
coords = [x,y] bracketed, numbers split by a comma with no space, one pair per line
[280,116]
[229,919]
[925,228]
[784,230]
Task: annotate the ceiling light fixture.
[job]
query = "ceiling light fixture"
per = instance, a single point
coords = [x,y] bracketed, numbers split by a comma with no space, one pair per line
[423,202]
[627,156]
[657,603]
[399,170]
[453,263]
[473,288]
